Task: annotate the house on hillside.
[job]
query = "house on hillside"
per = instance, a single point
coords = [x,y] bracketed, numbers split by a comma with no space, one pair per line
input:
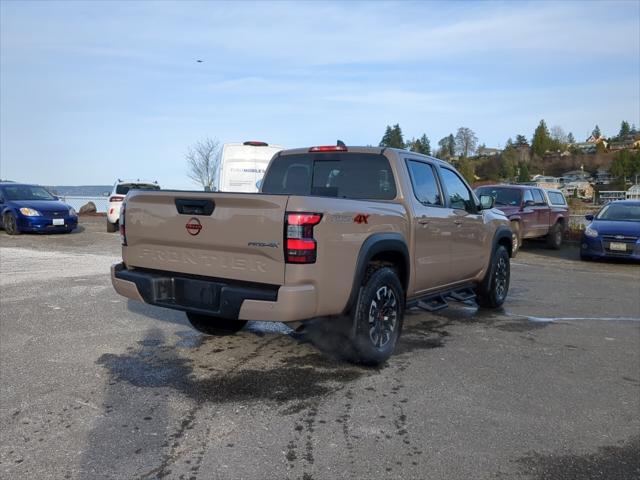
[488,152]
[575,176]
[602,176]
[543,181]
[628,142]
[584,190]
[596,140]
[585,147]
[634,192]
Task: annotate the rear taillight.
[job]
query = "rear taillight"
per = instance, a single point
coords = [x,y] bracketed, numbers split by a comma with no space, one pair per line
[300,246]
[123,231]
[116,199]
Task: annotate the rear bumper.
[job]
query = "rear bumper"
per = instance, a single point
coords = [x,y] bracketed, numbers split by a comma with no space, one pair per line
[216,297]
[43,224]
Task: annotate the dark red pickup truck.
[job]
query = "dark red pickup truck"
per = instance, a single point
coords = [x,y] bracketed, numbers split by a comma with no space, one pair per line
[533,212]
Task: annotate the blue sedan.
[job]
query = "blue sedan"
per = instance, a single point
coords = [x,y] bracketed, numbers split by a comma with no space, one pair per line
[613,233]
[31,208]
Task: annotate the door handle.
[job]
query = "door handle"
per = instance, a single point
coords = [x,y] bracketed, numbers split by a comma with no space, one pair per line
[458,222]
[423,221]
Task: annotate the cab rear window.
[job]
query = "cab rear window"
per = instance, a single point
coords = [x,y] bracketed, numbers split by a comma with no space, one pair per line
[123,188]
[556,198]
[343,175]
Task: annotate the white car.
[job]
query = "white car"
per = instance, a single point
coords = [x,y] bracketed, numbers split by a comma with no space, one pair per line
[242,166]
[120,190]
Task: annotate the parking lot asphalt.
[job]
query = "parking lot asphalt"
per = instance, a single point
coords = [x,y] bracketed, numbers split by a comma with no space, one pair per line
[94,386]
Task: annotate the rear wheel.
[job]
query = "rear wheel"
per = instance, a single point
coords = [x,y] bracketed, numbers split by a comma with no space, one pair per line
[378,317]
[112,227]
[10,224]
[213,325]
[492,292]
[554,238]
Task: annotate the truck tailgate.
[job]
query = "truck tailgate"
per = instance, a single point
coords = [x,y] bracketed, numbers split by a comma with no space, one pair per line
[240,239]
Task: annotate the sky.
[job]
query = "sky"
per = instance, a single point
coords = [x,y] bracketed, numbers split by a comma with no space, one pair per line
[92,91]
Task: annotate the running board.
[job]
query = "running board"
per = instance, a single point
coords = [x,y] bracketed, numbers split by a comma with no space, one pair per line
[433,304]
[462,295]
[438,301]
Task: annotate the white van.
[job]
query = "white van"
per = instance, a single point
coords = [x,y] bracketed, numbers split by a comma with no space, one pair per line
[242,165]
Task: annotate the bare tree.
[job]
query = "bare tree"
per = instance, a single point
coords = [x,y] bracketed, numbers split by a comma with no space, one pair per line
[558,134]
[466,141]
[203,159]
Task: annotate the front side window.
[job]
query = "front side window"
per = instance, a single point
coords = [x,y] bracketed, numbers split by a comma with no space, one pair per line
[528,197]
[425,185]
[344,175]
[459,195]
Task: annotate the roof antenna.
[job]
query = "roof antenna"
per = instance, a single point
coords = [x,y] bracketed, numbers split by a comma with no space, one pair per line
[340,143]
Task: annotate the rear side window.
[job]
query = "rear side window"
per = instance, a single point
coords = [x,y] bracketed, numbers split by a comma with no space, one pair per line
[537,197]
[425,185]
[124,188]
[556,198]
[343,175]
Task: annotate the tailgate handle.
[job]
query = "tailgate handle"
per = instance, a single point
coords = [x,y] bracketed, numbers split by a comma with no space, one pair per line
[188,206]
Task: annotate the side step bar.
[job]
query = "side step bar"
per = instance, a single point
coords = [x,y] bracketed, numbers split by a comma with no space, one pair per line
[438,301]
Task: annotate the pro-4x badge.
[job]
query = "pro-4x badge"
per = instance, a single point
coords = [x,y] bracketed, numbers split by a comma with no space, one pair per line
[361,218]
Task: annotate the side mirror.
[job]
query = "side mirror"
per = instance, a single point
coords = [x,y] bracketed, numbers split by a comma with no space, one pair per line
[487,202]
[589,217]
[529,203]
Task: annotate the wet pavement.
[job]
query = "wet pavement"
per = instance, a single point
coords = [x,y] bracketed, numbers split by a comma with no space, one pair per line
[95,386]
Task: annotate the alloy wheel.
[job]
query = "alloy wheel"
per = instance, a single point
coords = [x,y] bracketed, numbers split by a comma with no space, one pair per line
[383,316]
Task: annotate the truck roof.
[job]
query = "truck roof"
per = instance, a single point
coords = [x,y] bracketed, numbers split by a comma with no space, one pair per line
[375,150]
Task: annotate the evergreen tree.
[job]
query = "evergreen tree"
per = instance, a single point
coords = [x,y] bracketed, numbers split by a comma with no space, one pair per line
[570,138]
[621,165]
[521,141]
[467,170]
[596,132]
[508,161]
[386,138]
[397,141]
[541,141]
[447,147]
[523,174]
[426,144]
[625,129]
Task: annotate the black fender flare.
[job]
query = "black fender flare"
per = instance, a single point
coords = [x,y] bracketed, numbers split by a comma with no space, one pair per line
[502,232]
[373,245]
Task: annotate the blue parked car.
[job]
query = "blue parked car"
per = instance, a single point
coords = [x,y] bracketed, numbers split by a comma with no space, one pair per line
[613,233]
[32,208]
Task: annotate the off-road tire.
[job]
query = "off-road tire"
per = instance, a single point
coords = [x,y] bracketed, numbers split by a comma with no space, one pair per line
[10,224]
[210,325]
[112,227]
[492,292]
[377,317]
[554,237]
[516,239]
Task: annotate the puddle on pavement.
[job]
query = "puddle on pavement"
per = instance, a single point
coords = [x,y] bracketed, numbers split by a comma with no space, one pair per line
[616,461]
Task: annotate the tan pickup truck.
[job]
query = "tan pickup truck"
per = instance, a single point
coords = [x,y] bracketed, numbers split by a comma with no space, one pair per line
[354,235]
